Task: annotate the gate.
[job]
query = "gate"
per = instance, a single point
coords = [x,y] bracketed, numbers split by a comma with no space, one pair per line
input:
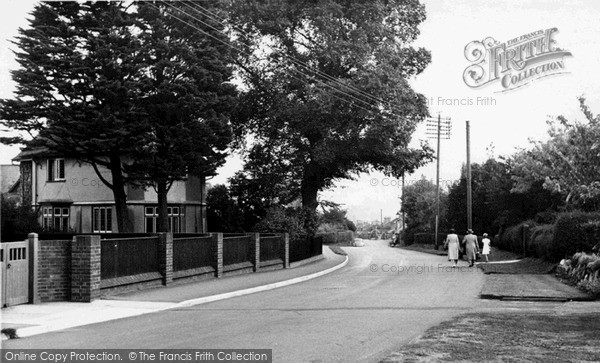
[15,273]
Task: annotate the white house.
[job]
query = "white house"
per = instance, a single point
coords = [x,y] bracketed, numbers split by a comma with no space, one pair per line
[71,197]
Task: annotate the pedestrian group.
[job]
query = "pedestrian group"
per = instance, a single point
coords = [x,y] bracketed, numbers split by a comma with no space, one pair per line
[469,247]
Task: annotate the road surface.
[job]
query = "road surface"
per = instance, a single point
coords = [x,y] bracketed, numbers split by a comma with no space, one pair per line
[383,298]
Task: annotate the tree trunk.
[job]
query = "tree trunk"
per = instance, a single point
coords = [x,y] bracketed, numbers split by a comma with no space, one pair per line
[310,188]
[118,188]
[162,224]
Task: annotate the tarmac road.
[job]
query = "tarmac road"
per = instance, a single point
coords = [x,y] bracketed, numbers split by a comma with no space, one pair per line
[383,298]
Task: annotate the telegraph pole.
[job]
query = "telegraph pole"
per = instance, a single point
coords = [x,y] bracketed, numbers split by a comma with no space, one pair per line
[469,190]
[445,132]
[402,201]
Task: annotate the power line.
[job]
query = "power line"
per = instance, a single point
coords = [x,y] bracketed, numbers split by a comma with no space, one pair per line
[296,70]
[204,11]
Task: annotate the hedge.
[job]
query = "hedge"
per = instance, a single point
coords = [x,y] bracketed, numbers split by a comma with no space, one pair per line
[575,232]
[541,242]
[346,237]
[572,232]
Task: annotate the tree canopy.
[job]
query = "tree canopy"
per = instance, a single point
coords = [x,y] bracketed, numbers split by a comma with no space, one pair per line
[327,93]
[567,164]
[112,82]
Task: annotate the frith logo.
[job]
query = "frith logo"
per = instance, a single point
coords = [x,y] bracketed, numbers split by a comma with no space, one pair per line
[516,62]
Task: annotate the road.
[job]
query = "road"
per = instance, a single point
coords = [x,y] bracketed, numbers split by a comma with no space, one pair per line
[383,298]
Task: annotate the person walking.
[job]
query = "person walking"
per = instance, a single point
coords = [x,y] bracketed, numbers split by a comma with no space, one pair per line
[471,247]
[486,246]
[452,244]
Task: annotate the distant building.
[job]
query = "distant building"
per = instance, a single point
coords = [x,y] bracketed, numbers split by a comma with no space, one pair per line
[71,197]
[10,182]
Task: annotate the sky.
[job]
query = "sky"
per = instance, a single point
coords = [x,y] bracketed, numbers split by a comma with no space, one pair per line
[500,121]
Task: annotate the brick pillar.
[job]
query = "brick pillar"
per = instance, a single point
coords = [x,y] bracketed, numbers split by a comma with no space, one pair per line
[255,249]
[218,257]
[286,250]
[34,250]
[85,268]
[165,256]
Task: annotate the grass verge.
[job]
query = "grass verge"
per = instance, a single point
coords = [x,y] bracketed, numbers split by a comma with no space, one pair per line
[524,266]
[337,250]
[504,337]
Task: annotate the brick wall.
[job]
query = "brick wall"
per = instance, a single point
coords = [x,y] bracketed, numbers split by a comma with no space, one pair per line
[54,271]
[85,268]
[70,270]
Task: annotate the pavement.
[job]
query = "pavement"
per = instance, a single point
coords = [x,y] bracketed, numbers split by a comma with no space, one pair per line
[29,319]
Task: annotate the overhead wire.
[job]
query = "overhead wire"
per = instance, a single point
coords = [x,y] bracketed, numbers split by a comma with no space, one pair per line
[206,12]
[248,53]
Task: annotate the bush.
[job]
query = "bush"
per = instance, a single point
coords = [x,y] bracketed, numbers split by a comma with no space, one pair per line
[299,223]
[345,237]
[575,232]
[17,220]
[511,238]
[541,242]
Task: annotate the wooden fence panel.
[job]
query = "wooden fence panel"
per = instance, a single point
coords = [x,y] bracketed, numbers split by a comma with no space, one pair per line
[128,256]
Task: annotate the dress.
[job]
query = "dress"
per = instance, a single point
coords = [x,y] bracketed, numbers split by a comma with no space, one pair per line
[471,247]
[453,244]
[486,246]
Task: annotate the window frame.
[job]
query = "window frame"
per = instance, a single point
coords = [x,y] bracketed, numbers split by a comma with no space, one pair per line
[177,219]
[56,218]
[55,170]
[107,213]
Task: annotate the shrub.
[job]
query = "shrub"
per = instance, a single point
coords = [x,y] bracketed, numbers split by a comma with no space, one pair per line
[575,232]
[541,242]
[345,237]
[511,238]
[280,220]
[17,221]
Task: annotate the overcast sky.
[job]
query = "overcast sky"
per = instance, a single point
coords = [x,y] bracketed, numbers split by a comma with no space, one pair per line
[505,120]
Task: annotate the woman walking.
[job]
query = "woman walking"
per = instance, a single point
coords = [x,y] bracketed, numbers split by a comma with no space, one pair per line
[452,244]
[486,246]
[471,247]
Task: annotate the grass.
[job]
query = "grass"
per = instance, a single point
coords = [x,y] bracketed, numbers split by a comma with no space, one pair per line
[524,266]
[337,250]
[504,337]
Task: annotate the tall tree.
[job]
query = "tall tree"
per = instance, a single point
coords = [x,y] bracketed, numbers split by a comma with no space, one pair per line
[327,88]
[495,204]
[419,204]
[77,85]
[567,164]
[110,82]
[187,99]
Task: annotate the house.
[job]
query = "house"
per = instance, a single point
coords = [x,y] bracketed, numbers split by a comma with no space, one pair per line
[70,196]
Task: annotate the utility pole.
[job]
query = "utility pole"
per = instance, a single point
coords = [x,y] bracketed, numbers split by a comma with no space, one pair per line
[402,201]
[469,190]
[441,130]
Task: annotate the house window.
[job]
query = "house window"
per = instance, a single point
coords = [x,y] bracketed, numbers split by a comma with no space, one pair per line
[56,170]
[150,214]
[174,214]
[55,218]
[102,219]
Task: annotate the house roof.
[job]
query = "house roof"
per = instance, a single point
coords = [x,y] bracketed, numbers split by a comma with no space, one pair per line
[37,148]
[9,175]
[32,152]
[15,187]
